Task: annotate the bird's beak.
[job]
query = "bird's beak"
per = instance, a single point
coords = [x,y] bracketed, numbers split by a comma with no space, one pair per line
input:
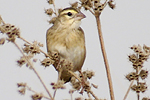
[80,16]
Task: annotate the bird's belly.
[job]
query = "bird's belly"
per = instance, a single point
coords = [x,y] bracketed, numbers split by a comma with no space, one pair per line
[74,54]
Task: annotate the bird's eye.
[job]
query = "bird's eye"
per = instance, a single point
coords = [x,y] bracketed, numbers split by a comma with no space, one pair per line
[69,13]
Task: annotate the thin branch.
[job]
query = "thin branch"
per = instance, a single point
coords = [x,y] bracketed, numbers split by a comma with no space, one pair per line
[1,20]
[138,96]
[34,71]
[90,10]
[29,88]
[137,71]
[74,75]
[128,90]
[89,95]
[93,95]
[55,8]
[71,96]
[59,75]
[54,93]
[105,57]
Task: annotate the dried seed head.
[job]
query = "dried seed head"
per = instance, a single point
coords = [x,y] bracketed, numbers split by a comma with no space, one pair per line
[89,74]
[111,4]
[58,85]
[79,98]
[135,65]
[49,11]
[52,83]
[89,3]
[33,49]
[143,56]
[40,44]
[96,1]
[132,76]
[35,60]
[140,57]
[76,85]
[26,49]
[22,91]
[87,89]
[141,87]
[74,5]
[59,10]
[5,28]
[137,48]
[143,74]
[52,21]
[2,41]
[133,47]
[55,56]
[11,31]
[97,11]
[136,88]
[133,87]
[37,96]
[95,86]
[146,47]
[71,91]
[21,84]
[21,61]
[97,4]
[145,98]
[133,58]
[50,1]
[47,61]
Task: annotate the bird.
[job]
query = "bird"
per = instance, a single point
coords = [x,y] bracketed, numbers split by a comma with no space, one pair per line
[66,37]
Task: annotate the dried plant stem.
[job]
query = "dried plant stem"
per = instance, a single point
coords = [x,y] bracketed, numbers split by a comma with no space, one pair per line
[55,8]
[34,71]
[105,57]
[137,71]
[128,90]
[89,95]
[29,88]
[84,83]
[138,96]
[75,76]
[1,20]
[54,93]
[59,74]
[96,98]
[71,96]
[90,10]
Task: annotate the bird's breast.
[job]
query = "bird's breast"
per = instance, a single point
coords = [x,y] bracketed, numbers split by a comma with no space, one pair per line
[70,46]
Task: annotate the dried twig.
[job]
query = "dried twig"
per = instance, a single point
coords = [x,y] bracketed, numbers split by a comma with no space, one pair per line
[128,90]
[105,57]
[34,71]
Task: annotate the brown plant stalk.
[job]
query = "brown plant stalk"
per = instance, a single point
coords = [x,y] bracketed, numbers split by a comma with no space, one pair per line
[128,90]
[29,88]
[34,71]
[104,56]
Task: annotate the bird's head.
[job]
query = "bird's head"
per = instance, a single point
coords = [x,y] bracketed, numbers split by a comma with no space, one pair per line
[70,18]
